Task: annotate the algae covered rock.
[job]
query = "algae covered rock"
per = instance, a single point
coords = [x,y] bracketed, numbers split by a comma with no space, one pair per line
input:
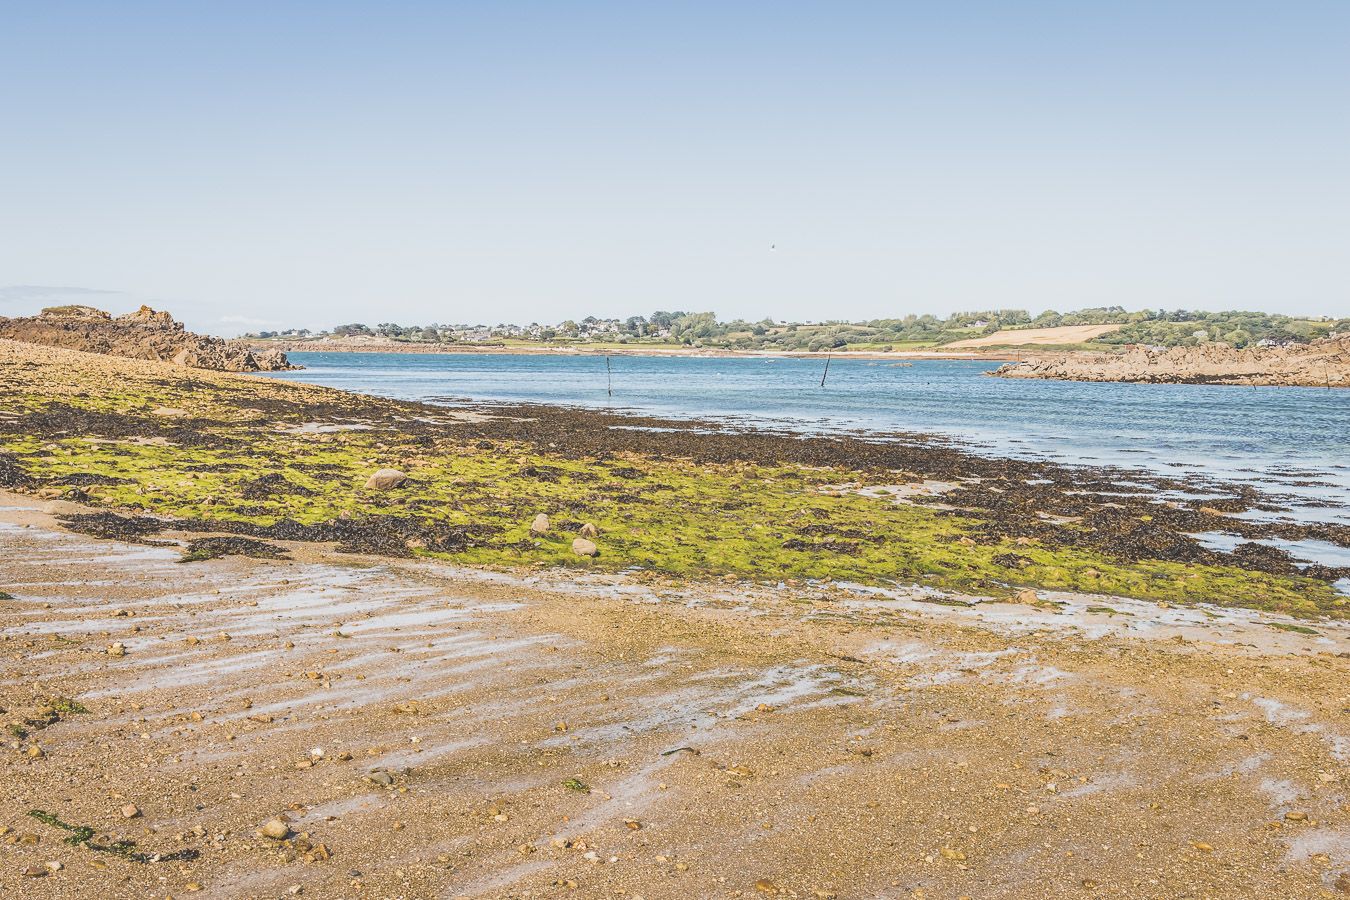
[385,480]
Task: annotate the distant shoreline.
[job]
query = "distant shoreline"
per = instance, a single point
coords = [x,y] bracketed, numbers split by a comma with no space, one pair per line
[653,351]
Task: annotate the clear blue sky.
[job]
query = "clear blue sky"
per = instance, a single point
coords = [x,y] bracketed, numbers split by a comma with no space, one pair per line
[311,163]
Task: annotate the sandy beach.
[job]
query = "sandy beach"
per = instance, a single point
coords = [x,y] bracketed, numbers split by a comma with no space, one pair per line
[426,731]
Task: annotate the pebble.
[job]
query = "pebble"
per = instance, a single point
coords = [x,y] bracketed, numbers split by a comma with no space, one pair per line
[117,649]
[276,829]
[130,811]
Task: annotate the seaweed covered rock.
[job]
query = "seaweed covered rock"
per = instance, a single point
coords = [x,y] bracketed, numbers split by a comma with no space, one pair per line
[385,480]
[143,334]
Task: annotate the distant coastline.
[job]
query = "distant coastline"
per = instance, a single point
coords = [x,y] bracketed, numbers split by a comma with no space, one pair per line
[1320,363]
[369,345]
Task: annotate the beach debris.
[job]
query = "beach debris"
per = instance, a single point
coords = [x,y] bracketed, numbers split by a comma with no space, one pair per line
[583,547]
[385,480]
[540,524]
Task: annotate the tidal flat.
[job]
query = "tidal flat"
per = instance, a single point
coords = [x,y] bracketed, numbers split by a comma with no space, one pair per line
[253,457]
[821,667]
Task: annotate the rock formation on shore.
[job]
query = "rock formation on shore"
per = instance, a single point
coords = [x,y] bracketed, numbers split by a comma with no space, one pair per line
[144,334]
[1321,363]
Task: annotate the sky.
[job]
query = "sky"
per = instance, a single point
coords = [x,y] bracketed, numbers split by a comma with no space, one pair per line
[266,165]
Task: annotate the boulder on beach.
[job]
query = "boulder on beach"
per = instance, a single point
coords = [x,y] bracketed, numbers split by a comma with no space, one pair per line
[583,547]
[588,531]
[540,524]
[385,480]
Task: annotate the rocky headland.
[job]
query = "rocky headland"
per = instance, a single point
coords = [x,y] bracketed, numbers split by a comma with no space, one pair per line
[144,334]
[1321,363]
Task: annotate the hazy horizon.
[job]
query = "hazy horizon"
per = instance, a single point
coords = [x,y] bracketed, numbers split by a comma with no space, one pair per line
[264,166]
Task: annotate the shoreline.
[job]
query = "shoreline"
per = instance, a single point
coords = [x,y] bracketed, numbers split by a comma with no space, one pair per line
[1323,363]
[652,351]
[276,460]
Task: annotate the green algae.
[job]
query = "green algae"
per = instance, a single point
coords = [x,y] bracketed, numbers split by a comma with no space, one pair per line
[669,516]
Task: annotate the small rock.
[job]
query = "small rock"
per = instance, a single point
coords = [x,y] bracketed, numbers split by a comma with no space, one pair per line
[276,829]
[1296,816]
[55,866]
[117,649]
[385,480]
[34,872]
[540,524]
[766,886]
[35,752]
[130,811]
[583,547]
[589,531]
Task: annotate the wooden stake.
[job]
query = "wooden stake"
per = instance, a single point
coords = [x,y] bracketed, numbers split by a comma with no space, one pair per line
[827,369]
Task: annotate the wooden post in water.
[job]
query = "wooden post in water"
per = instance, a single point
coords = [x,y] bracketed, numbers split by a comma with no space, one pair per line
[609,377]
[827,369]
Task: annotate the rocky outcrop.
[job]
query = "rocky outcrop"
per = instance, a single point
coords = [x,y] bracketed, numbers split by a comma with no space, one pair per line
[143,334]
[1321,363]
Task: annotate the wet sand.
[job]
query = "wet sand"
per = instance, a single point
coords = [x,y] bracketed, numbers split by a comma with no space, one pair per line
[444,732]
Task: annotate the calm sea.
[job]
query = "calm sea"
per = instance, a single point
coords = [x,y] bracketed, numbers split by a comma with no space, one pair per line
[1294,442]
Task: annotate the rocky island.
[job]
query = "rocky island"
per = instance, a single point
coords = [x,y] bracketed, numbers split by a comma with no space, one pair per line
[144,334]
[1319,363]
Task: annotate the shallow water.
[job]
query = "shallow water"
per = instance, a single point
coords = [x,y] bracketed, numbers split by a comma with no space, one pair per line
[1289,441]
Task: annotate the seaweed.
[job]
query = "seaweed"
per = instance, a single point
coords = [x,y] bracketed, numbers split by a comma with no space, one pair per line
[83,836]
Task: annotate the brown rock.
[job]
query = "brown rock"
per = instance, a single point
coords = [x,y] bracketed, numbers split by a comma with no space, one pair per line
[583,547]
[144,334]
[276,829]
